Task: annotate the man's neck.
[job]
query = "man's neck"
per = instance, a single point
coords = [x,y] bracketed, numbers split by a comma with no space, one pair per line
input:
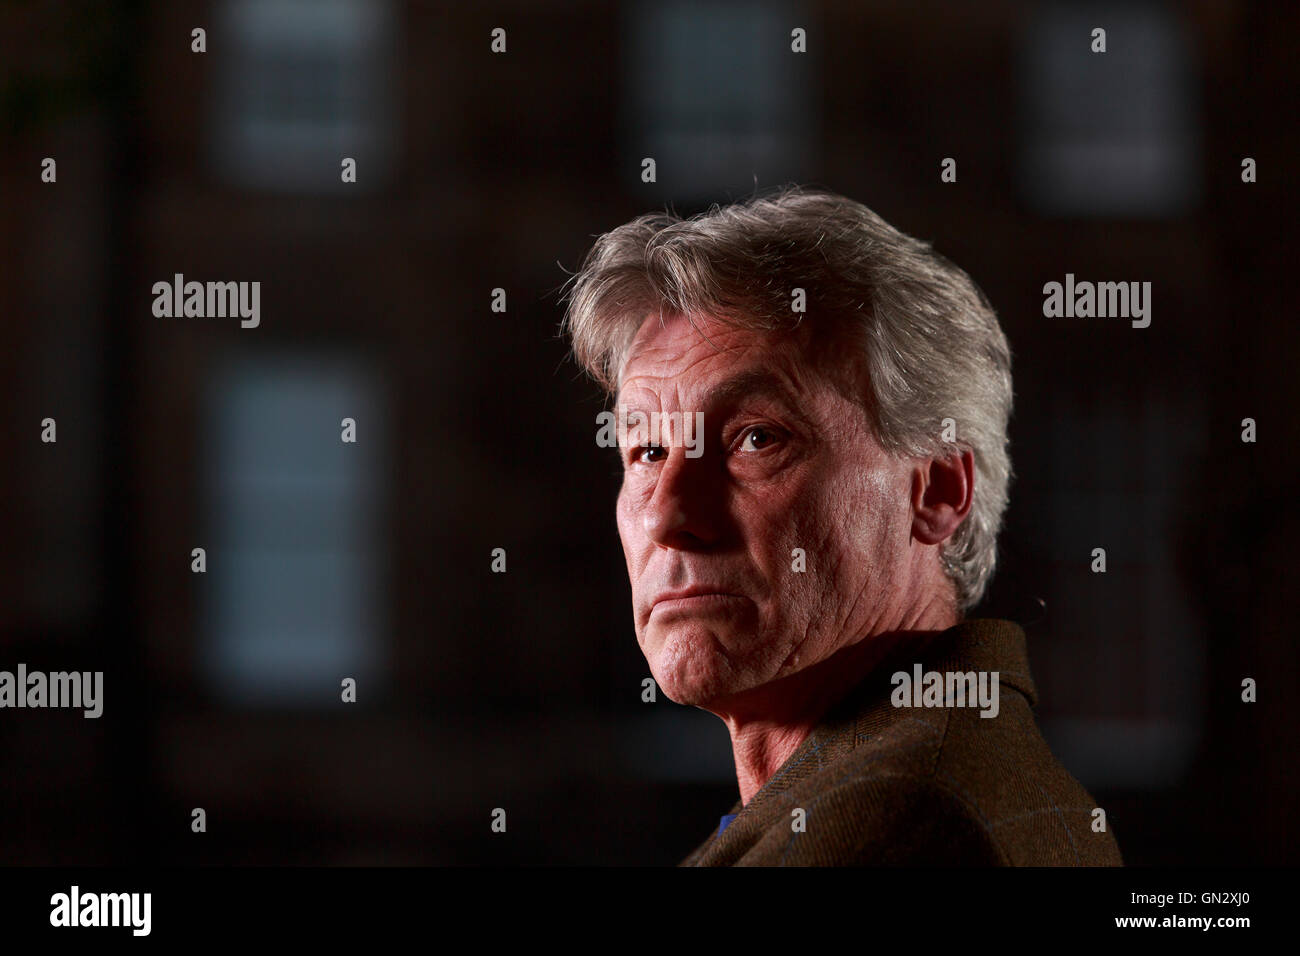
[771,722]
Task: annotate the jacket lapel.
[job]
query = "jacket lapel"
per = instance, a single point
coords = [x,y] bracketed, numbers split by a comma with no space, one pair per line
[863,717]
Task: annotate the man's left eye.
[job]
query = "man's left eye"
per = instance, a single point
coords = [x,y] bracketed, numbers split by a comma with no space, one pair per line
[758,438]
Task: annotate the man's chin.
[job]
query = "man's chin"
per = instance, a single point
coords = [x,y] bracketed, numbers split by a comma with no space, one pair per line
[692,669]
[688,693]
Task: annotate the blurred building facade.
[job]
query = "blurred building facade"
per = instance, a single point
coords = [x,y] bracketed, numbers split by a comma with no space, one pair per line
[479,171]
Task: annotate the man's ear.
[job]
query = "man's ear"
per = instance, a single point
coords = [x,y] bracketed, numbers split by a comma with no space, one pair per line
[941,495]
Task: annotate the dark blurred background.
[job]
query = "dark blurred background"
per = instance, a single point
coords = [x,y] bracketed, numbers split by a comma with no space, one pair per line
[478,171]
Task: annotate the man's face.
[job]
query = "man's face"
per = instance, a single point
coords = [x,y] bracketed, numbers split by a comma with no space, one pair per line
[788,462]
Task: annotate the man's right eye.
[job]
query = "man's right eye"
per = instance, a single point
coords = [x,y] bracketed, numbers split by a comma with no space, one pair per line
[642,453]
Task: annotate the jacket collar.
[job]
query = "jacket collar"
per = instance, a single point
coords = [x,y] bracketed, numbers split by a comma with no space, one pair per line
[980,644]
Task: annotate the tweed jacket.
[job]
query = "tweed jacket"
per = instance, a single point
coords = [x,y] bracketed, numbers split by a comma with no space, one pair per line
[931,785]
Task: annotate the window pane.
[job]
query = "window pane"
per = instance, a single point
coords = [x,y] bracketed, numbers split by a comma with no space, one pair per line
[294,541]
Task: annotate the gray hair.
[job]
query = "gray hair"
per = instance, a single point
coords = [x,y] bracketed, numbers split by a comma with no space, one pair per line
[931,341]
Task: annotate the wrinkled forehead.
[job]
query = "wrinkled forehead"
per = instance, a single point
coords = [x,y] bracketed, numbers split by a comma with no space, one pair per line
[707,360]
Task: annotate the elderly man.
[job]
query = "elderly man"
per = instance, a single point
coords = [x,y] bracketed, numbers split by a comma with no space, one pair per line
[802,566]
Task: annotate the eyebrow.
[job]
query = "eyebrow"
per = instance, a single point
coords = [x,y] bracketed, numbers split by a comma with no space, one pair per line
[754,383]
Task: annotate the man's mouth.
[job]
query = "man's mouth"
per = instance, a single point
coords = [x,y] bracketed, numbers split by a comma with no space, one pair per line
[693,599]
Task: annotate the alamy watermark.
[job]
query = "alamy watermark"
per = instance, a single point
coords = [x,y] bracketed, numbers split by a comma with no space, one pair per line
[637,429]
[212,300]
[57,689]
[76,908]
[947,689]
[1086,300]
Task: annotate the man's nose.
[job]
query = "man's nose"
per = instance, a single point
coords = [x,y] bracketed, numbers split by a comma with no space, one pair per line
[684,510]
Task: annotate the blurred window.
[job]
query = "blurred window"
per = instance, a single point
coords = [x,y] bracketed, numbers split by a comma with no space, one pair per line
[299,85]
[1109,134]
[716,95]
[294,538]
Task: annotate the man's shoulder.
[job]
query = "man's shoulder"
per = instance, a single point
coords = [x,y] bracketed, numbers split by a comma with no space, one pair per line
[947,786]
[924,777]
[887,816]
